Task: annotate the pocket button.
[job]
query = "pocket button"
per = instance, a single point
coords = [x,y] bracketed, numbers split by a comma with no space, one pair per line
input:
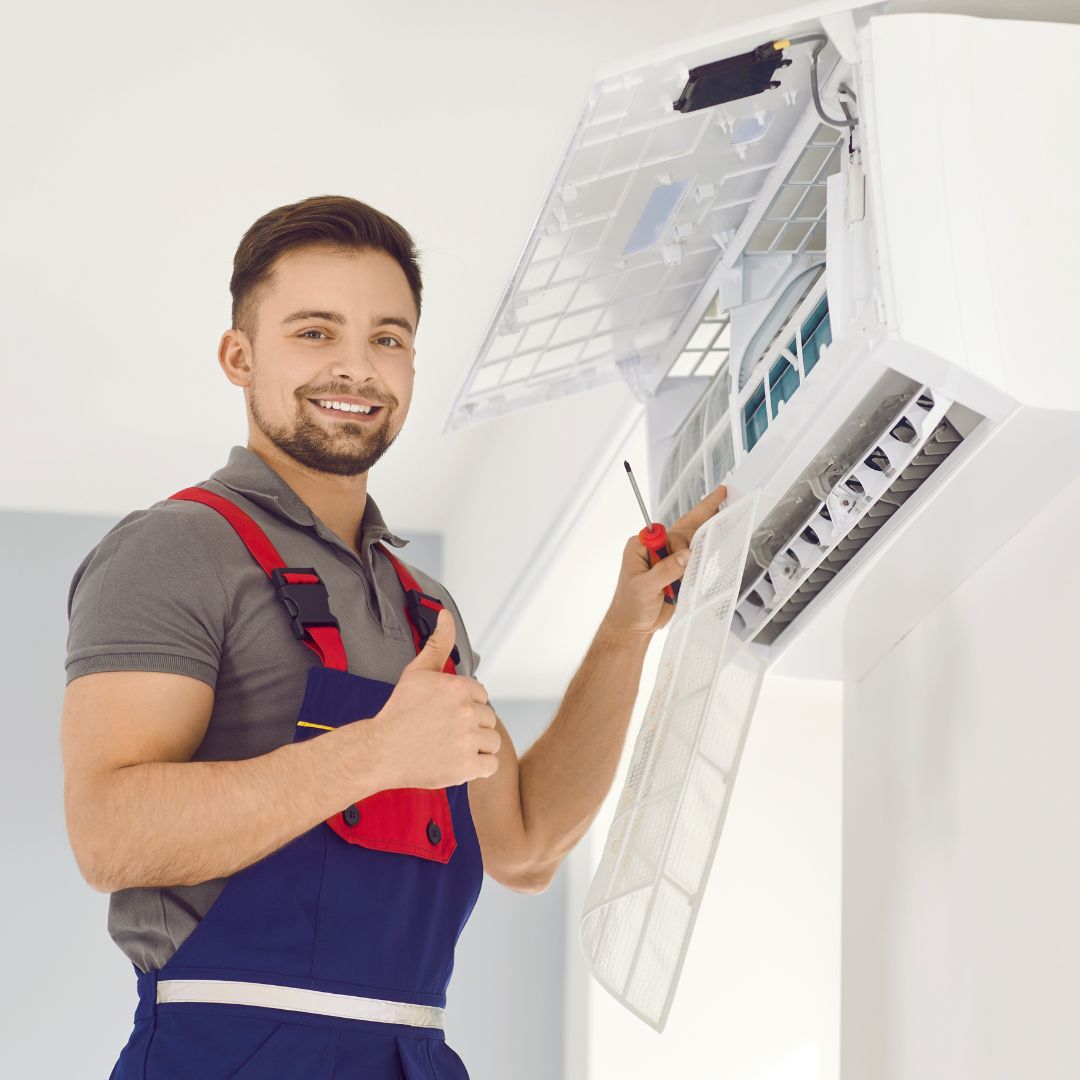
[434,833]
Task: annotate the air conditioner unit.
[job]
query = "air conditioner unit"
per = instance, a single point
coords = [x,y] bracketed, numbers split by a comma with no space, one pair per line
[834,257]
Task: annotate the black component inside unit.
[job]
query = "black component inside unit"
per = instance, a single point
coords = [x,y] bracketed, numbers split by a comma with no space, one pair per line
[736,77]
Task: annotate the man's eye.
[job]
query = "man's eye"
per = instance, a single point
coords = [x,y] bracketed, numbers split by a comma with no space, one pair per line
[306,332]
[391,339]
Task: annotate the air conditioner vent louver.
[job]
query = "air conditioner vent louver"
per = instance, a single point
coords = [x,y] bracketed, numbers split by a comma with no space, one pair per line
[899,461]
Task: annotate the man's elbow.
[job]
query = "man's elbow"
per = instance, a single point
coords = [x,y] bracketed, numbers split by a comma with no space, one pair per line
[537,880]
[96,857]
[93,873]
[99,884]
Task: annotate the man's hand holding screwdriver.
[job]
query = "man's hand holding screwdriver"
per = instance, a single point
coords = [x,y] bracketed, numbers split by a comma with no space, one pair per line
[638,607]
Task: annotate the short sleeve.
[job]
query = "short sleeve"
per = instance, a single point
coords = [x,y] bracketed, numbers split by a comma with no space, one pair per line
[148,597]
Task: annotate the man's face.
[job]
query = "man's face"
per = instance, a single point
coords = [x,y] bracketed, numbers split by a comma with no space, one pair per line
[299,359]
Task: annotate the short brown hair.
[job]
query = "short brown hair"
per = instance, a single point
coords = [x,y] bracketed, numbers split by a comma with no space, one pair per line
[335,220]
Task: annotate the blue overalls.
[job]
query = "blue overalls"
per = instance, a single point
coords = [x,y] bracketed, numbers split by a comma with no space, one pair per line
[345,936]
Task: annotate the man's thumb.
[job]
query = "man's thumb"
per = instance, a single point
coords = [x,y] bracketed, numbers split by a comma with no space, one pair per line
[437,648]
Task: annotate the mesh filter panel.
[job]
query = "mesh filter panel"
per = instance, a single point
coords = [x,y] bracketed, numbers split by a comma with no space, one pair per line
[644,897]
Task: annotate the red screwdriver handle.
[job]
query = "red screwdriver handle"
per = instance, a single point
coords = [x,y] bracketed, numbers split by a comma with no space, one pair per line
[654,540]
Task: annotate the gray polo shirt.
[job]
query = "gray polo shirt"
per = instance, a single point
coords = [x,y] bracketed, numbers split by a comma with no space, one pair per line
[173,588]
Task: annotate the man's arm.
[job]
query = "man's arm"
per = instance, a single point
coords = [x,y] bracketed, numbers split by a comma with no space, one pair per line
[536,808]
[140,812]
[566,774]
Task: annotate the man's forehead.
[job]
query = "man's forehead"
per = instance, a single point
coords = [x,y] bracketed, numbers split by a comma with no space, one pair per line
[385,289]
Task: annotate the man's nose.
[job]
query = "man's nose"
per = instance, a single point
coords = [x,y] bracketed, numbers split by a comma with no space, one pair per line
[355,364]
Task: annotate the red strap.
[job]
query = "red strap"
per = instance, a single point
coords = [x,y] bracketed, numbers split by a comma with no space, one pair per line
[327,645]
[409,582]
[324,641]
[256,541]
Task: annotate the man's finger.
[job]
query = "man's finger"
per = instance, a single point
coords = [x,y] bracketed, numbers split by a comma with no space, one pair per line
[670,569]
[698,515]
[439,645]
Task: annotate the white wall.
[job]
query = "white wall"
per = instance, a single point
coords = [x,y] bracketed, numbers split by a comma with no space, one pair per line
[58,957]
[961,875]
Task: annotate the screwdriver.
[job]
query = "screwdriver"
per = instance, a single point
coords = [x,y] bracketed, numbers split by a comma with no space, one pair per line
[654,538]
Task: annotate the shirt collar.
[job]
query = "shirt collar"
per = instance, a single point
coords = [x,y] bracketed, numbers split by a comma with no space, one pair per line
[247,473]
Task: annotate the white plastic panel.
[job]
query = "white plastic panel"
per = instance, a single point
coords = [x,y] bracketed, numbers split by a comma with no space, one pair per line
[640,213]
[641,905]
[973,158]
[795,219]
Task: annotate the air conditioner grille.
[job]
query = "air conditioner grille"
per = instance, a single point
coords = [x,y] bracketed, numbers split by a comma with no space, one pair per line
[944,440]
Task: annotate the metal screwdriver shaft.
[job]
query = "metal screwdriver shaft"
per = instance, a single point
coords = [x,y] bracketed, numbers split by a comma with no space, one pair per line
[654,538]
[641,501]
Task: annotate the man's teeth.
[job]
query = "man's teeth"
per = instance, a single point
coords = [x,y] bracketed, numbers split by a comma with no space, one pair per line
[343,407]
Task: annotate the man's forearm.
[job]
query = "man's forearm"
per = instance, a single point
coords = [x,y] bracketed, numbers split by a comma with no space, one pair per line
[180,823]
[566,774]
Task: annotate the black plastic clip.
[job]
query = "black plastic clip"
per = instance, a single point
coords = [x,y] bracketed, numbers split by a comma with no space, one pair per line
[424,618]
[731,79]
[307,602]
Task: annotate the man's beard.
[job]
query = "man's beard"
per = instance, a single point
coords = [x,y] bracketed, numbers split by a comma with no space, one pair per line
[348,452]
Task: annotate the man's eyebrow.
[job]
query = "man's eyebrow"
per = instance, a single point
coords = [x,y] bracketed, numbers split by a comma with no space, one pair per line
[392,320]
[337,317]
[328,316]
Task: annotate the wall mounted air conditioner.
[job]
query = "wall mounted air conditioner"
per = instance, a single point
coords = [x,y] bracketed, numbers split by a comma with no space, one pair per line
[833,254]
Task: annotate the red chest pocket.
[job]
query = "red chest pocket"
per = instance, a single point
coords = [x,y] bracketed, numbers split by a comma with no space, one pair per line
[409,821]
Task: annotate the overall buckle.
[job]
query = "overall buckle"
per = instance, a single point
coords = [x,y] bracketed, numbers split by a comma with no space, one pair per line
[424,617]
[307,602]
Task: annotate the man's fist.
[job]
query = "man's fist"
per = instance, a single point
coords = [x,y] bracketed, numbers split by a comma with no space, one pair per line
[437,730]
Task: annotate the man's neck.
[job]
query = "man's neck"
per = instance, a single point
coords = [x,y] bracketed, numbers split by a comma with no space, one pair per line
[338,501]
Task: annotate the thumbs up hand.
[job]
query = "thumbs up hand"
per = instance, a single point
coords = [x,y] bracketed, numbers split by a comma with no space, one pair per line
[437,730]
[438,647]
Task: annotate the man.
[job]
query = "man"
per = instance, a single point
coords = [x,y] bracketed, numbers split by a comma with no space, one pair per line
[293,842]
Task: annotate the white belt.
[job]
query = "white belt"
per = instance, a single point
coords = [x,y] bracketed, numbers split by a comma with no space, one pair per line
[271,996]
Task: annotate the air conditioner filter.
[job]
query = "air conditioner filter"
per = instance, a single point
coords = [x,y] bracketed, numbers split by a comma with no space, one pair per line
[641,905]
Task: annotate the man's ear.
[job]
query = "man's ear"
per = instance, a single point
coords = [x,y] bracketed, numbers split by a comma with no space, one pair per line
[234,356]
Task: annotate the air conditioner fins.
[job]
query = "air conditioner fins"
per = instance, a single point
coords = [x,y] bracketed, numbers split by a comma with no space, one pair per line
[896,463]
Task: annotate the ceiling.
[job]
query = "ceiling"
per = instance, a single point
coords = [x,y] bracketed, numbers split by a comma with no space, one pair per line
[142,142]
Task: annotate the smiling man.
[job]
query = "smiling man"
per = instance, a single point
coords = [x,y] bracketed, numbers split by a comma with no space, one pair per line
[278,760]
